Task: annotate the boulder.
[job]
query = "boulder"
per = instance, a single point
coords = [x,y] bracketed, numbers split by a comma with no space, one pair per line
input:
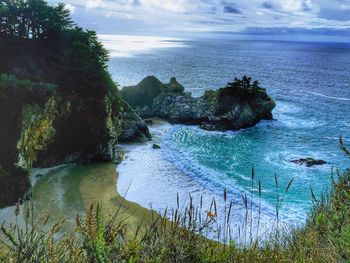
[156,146]
[174,86]
[309,162]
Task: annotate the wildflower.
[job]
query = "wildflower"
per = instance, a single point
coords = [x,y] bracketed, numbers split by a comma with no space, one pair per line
[211,215]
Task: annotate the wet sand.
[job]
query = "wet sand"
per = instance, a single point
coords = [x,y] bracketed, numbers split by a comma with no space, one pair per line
[68,191]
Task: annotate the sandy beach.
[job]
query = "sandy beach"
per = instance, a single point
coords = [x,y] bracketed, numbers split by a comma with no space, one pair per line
[68,191]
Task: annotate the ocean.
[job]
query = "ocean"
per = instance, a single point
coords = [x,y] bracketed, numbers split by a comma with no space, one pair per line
[310,83]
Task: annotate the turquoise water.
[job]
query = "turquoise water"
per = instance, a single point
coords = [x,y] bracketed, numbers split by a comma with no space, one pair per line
[310,83]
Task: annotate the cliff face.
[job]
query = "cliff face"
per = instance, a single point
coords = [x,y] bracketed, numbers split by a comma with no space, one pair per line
[231,108]
[133,128]
[46,120]
[17,99]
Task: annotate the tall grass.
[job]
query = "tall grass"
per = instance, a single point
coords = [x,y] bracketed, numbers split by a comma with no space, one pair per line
[178,235]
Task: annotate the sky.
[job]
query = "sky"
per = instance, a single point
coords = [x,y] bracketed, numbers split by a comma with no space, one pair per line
[207,17]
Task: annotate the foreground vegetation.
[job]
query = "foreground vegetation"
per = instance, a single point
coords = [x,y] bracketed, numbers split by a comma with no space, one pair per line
[100,238]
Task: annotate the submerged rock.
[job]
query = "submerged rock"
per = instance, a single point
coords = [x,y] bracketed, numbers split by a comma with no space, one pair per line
[156,146]
[240,105]
[309,162]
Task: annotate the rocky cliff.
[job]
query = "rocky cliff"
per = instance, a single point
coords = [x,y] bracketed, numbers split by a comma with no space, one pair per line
[51,114]
[41,128]
[240,104]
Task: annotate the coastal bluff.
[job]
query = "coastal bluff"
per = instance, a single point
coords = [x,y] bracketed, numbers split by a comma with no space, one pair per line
[241,104]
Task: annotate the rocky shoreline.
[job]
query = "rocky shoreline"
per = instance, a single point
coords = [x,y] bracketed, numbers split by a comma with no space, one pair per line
[241,104]
[62,130]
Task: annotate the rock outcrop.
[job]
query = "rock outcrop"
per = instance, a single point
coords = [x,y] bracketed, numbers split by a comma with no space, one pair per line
[156,146]
[58,102]
[148,89]
[133,128]
[240,105]
[42,126]
[39,128]
[309,162]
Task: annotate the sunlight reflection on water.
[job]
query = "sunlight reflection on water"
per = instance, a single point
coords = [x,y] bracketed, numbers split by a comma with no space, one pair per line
[129,46]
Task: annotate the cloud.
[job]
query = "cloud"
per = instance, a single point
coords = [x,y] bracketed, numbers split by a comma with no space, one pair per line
[336,10]
[289,6]
[170,5]
[292,5]
[95,4]
[267,5]
[232,10]
[136,3]
[181,16]
[71,8]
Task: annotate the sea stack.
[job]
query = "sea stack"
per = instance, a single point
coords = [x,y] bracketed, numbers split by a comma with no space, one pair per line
[241,104]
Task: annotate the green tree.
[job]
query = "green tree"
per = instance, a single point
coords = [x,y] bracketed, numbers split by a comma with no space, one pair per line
[84,64]
[32,19]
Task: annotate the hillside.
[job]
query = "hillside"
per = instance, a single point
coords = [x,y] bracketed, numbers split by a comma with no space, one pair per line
[58,101]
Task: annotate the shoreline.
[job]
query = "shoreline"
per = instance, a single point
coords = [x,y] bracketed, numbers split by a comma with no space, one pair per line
[69,190]
[151,176]
[103,179]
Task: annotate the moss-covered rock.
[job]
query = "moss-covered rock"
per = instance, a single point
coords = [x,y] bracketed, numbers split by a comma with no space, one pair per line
[37,131]
[133,128]
[123,123]
[173,86]
[15,96]
[144,93]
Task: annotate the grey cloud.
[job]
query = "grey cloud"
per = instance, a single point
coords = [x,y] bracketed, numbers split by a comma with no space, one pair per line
[306,7]
[267,5]
[209,15]
[232,10]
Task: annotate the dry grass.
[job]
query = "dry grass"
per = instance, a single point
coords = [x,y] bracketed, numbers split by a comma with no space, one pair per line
[97,238]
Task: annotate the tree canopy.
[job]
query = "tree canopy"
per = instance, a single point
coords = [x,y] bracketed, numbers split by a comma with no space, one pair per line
[244,85]
[32,19]
[78,60]
[40,43]
[66,117]
[239,89]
